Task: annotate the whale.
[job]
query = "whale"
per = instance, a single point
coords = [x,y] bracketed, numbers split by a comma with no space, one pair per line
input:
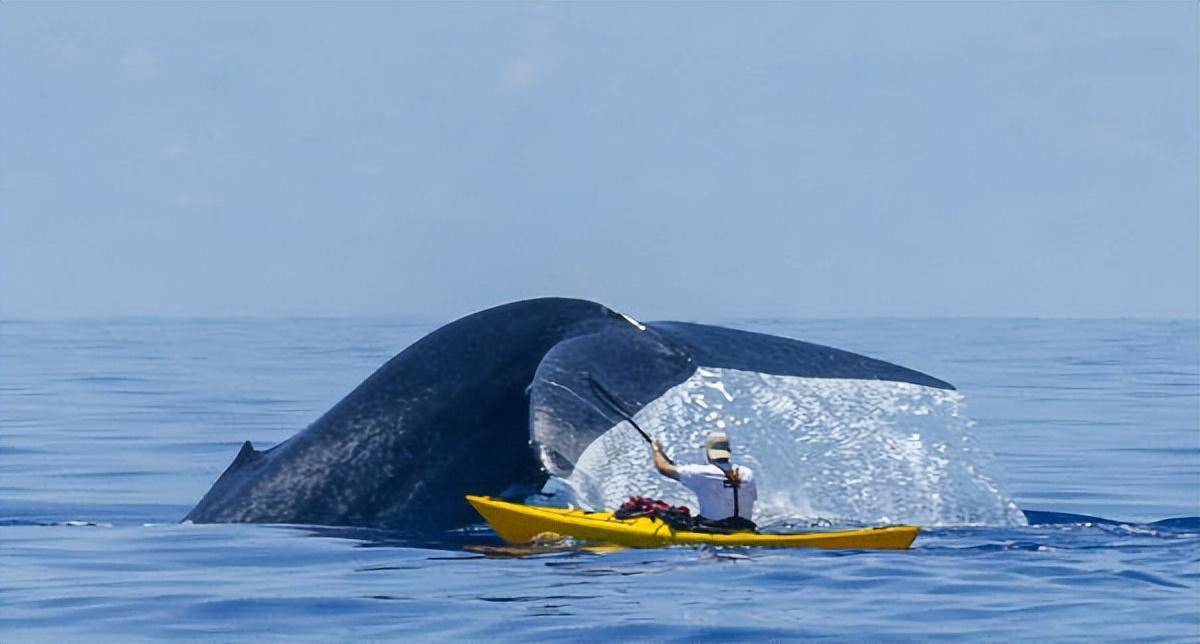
[494,404]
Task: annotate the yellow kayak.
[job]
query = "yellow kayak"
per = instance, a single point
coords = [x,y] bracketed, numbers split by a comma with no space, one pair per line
[516,523]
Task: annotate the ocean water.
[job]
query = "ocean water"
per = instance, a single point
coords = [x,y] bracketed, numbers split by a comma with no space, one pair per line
[110,430]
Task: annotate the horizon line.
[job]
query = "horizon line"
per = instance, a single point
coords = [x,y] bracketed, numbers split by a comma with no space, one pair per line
[426,318]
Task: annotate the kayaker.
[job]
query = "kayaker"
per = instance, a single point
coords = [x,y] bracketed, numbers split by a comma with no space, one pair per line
[726,492]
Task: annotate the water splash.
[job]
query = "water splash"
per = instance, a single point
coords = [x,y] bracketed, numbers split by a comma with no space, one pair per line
[851,451]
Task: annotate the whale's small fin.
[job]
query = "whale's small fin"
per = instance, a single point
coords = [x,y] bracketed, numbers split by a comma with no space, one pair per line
[244,456]
[230,481]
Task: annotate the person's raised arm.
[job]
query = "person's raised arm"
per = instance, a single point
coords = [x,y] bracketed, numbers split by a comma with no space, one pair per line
[664,464]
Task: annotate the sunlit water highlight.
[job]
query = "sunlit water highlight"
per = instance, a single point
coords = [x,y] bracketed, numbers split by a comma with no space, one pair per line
[825,450]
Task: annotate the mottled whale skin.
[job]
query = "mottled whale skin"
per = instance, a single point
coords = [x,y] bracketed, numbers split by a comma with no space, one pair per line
[446,416]
[451,414]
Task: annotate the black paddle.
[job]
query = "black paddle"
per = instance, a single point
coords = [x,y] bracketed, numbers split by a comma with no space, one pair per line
[612,402]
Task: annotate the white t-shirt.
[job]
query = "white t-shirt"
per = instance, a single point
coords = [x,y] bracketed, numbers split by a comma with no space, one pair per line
[715,493]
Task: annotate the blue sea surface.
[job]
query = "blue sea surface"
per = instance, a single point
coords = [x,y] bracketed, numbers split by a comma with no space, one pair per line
[110,430]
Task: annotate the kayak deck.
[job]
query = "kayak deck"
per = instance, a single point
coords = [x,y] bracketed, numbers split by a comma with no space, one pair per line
[517,523]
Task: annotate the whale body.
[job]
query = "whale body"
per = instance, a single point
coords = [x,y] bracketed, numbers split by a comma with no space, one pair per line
[493,404]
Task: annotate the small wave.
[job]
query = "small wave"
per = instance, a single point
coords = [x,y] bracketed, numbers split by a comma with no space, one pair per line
[13,523]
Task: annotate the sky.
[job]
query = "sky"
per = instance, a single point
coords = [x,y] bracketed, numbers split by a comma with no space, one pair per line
[694,161]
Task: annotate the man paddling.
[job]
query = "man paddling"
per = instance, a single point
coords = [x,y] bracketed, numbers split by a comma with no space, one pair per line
[726,492]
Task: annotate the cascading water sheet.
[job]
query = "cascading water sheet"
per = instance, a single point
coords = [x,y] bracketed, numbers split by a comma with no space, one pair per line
[843,450]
